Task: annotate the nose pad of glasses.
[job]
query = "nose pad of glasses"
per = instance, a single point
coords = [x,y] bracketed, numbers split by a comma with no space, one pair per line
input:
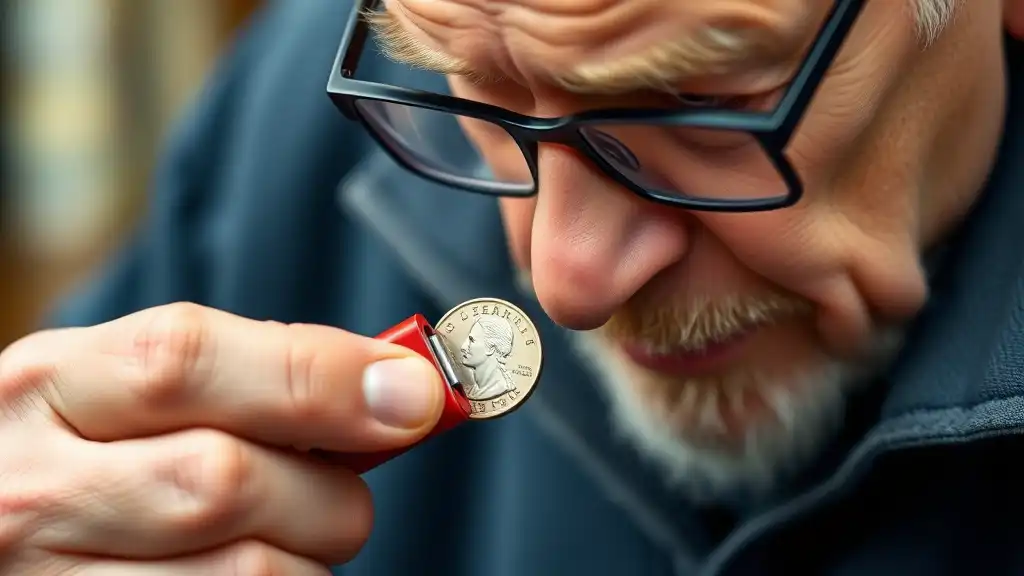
[612,149]
[606,147]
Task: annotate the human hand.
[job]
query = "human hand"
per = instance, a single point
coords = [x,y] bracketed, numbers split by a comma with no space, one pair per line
[162,443]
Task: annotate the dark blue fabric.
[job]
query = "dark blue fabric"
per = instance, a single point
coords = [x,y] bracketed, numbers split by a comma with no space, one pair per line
[248,215]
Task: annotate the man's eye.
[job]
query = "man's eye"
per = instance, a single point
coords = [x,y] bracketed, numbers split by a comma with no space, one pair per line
[703,100]
[760,102]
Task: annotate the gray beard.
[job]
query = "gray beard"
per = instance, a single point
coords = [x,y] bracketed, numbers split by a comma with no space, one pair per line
[809,415]
[809,412]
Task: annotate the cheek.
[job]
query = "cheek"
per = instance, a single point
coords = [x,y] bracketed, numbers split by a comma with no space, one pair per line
[853,276]
[787,247]
[850,245]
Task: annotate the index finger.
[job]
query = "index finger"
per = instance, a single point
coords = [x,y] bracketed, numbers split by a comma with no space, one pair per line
[185,366]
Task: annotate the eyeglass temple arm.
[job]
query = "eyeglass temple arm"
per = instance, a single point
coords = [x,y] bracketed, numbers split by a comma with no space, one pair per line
[355,37]
[806,83]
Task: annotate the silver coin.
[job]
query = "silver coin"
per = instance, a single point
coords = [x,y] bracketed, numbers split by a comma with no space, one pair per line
[497,352]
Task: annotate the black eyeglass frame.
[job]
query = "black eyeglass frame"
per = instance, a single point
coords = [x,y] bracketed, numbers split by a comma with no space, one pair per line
[771,129]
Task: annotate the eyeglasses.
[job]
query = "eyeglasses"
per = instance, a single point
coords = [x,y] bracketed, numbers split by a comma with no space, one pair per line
[690,157]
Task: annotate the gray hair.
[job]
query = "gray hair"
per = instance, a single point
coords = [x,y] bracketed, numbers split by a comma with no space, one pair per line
[932,17]
[713,51]
[709,51]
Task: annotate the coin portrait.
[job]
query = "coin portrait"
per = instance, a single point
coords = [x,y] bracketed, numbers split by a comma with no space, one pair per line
[498,352]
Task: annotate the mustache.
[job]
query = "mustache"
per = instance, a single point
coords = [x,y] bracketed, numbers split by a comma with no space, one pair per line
[699,322]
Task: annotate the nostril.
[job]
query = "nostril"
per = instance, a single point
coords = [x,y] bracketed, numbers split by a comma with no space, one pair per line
[582,282]
[576,295]
[594,245]
[574,312]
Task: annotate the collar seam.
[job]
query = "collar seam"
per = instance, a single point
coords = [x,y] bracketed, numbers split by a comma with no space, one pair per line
[947,422]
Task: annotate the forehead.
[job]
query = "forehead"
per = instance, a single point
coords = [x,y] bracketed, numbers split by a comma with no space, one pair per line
[594,43]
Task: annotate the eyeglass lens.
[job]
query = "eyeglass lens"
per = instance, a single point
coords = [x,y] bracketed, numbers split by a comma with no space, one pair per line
[440,142]
[665,160]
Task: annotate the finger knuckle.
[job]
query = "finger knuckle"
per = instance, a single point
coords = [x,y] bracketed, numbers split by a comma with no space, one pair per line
[23,370]
[19,387]
[170,349]
[28,503]
[11,356]
[217,477]
[18,511]
[29,456]
[307,381]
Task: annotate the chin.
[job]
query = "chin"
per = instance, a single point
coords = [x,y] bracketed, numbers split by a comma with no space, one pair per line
[740,435]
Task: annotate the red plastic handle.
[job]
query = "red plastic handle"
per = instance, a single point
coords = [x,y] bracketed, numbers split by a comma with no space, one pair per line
[413,334]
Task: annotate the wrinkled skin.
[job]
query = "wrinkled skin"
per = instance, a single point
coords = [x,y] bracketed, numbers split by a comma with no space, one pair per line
[165,442]
[893,152]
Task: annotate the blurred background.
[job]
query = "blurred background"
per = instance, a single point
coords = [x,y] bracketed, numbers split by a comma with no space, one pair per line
[89,89]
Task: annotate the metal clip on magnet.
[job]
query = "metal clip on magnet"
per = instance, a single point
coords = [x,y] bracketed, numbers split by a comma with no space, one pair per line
[482,328]
[416,334]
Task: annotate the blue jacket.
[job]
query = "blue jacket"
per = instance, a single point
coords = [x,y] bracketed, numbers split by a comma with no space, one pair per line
[247,215]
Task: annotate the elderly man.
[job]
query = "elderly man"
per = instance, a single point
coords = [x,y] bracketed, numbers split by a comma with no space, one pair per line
[773,250]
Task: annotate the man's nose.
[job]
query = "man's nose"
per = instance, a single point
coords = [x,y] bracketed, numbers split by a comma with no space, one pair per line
[594,243]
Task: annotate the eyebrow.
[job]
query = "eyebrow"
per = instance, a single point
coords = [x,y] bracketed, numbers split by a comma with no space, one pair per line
[661,67]
[403,47]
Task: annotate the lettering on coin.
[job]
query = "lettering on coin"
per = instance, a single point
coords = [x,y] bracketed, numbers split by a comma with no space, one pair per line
[498,351]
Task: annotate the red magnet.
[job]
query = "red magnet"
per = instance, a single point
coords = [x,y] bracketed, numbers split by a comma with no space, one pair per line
[499,364]
[416,334]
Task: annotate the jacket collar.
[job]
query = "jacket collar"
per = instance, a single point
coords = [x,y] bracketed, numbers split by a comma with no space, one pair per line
[959,374]
[965,348]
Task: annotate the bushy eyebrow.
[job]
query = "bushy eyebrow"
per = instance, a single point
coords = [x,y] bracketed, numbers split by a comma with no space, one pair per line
[402,46]
[661,67]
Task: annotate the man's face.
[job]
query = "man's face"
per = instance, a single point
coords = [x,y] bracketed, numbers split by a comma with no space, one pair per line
[473,350]
[727,339]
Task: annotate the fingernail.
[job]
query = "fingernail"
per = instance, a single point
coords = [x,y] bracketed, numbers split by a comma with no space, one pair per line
[401,393]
